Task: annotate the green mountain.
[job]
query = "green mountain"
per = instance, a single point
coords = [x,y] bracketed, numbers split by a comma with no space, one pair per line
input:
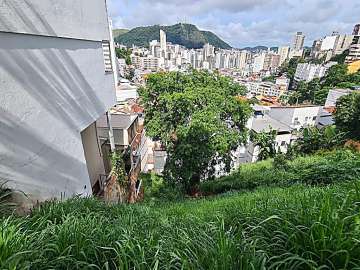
[187,35]
[118,32]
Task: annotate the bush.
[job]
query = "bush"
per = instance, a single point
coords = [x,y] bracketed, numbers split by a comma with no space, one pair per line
[322,168]
[155,188]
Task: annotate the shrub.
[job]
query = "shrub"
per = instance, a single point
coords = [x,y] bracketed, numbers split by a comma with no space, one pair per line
[322,168]
[157,189]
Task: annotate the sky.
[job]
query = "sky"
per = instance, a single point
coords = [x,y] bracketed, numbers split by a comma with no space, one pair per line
[243,23]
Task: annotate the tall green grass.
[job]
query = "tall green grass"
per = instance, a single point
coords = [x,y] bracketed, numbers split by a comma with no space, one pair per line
[320,169]
[298,227]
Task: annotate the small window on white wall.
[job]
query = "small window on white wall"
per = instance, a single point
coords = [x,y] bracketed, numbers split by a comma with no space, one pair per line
[107,56]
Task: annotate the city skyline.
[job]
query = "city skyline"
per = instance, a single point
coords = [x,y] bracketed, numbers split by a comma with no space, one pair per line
[243,23]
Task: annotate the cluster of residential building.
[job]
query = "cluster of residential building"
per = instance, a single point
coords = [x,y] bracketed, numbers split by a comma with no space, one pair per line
[246,67]
[336,44]
[163,55]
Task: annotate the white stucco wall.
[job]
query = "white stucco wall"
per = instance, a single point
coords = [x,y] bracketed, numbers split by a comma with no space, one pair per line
[307,116]
[51,89]
[80,19]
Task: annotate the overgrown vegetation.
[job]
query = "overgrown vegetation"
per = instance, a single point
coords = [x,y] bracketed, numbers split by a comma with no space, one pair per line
[313,139]
[118,168]
[265,141]
[272,228]
[322,168]
[271,78]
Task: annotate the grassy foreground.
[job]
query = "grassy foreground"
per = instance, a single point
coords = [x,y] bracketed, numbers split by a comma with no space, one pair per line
[297,227]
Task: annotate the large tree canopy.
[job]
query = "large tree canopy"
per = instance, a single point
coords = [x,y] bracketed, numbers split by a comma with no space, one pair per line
[199,117]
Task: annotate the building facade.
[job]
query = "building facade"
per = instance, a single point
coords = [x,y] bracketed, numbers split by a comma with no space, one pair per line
[307,72]
[56,81]
[298,42]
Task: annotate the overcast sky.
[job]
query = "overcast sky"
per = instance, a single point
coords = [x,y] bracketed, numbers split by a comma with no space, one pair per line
[243,23]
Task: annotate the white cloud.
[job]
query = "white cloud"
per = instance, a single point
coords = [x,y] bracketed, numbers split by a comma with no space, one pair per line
[243,22]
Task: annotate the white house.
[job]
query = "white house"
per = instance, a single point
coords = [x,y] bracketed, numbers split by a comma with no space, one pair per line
[263,122]
[296,117]
[56,80]
[285,120]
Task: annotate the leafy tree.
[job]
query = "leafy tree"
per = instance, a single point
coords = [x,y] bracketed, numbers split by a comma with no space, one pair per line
[321,95]
[302,89]
[318,61]
[312,88]
[199,118]
[347,115]
[336,74]
[266,143]
[289,68]
[124,54]
[269,79]
[340,59]
[355,78]
[314,139]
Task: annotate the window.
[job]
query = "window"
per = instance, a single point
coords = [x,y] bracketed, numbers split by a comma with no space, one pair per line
[314,118]
[283,143]
[107,56]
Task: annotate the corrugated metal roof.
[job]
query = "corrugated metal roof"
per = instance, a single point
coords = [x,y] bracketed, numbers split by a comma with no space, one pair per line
[265,123]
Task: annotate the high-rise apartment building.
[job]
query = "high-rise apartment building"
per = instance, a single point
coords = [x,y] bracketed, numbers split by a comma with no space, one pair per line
[208,51]
[298,42]
[259,62]
[343,43]
[163,44]
[284,54]
[56,81]
[243,59]
[354,51]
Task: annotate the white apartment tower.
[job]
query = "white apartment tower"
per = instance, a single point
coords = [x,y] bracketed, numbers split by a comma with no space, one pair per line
[56,80]
[244,56]
[298,43]
[163,44]
[284,54]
